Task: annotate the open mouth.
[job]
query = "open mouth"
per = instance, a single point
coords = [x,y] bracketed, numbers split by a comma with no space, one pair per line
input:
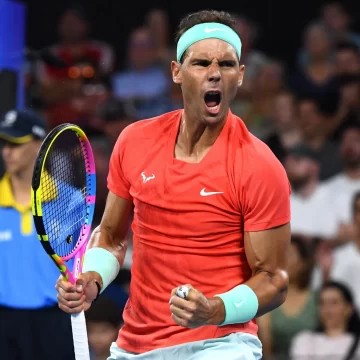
[212,101]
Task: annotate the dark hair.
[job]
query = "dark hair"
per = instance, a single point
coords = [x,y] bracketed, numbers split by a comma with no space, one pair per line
[353,326]
[355,199]
[326,104]
[205,16]
[306,255]
[105,310]
[347,45]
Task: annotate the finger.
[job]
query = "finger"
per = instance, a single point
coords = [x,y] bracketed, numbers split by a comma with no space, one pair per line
[74,296]
[179,321]
[71,311]
[71,304]
[187,305]
[174,291]
[181,313]
[63,284]
[81,283]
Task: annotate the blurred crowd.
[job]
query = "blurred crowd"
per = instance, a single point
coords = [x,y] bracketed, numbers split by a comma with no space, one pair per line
[307,113]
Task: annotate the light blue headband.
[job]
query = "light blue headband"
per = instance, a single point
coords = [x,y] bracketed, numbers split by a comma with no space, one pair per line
[207,31]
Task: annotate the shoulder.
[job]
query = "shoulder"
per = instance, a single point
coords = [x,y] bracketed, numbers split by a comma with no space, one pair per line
[148,129]
[253,155]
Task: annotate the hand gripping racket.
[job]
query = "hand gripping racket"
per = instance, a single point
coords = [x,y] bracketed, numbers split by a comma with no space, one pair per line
[63,202]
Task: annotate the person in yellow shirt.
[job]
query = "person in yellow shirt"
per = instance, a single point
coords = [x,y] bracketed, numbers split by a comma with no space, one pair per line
[31,325]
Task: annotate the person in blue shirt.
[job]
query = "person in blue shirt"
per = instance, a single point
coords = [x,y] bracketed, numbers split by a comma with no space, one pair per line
[31,325]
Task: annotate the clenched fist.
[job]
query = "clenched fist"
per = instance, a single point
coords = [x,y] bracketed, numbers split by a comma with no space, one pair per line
[196,310]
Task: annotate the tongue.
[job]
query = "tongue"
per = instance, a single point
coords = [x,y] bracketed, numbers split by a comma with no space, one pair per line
[211,103]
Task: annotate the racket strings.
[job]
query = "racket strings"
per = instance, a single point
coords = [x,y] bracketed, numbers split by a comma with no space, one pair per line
[64,186]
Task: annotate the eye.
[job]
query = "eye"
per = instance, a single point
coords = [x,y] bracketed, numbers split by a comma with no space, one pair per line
[203,63]
[227,63]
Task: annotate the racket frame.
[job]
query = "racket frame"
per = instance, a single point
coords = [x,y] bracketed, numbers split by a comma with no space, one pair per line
[36,201]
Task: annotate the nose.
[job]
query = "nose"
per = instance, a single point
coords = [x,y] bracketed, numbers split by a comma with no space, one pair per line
[214,74]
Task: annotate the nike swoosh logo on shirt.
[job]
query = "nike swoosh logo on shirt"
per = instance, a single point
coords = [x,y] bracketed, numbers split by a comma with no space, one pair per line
[207,30]
[205,193]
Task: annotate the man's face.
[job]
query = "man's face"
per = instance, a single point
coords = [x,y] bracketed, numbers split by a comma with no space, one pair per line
[347,62]
[209,76]
[19,158]
[350,147]
[72,27]
[299,170]
[310,120]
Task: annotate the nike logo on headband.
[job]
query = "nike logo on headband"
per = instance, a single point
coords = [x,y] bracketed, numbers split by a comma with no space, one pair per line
[207,30]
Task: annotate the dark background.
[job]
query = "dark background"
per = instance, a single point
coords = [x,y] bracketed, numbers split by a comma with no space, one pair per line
[281,22]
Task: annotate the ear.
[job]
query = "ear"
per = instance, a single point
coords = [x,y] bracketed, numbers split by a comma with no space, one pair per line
[241,75]
[176,72]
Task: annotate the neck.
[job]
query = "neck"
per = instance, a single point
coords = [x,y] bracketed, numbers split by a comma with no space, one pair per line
[195,137]
[21,185]
[309,188]
[352,173]
[340,330]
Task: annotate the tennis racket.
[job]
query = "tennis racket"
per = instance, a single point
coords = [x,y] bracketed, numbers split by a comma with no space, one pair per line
[63,202]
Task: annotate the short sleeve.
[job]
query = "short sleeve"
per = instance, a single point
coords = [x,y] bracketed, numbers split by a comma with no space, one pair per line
[266,193]
[299,347]
[117,182]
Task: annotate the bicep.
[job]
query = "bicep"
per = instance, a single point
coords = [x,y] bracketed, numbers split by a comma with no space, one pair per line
[114,223]
[116,214]
[267,250]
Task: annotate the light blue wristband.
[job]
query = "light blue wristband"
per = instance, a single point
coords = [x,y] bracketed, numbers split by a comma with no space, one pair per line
[104,263]
[241,305]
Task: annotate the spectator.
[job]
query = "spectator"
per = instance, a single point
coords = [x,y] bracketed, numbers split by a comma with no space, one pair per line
[337,337]
[316,76]
[71,92]
[104,320]
[298,313]
[344,263]
[113,117]
[286,132]
[344,185]
[143,83]
[257,112]
[28,304]
[347,59]
[252,58]
[311,205]
[316,116]
[338,21]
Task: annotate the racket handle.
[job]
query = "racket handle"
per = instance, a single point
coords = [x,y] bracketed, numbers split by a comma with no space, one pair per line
[81,346]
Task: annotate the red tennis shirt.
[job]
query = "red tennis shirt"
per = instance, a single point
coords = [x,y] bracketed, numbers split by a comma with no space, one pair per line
[189,221]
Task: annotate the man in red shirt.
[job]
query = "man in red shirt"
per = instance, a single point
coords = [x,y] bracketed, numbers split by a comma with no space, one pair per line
[211,216]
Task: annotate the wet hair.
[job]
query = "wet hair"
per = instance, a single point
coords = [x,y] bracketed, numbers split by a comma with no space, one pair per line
[353,326]
[205,16]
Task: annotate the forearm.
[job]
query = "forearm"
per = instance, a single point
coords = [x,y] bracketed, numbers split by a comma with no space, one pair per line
[263,293]
[104,256]
[103,238]
[270,289]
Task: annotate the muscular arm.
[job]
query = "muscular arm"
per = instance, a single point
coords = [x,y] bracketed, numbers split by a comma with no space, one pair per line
[111,233]
[267,253]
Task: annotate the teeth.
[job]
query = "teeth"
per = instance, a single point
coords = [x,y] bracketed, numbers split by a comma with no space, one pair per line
[213,107]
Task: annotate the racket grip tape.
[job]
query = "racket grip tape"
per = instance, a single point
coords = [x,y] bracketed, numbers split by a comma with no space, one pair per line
[81,345]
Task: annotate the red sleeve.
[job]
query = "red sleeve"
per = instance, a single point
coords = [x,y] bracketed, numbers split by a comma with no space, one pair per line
[266,193]
[117,182]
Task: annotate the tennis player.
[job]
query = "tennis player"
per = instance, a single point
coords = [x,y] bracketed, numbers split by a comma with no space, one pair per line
[211,219]
[30,320]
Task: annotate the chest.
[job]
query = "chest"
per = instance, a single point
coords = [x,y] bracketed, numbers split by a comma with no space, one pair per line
[191,198]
